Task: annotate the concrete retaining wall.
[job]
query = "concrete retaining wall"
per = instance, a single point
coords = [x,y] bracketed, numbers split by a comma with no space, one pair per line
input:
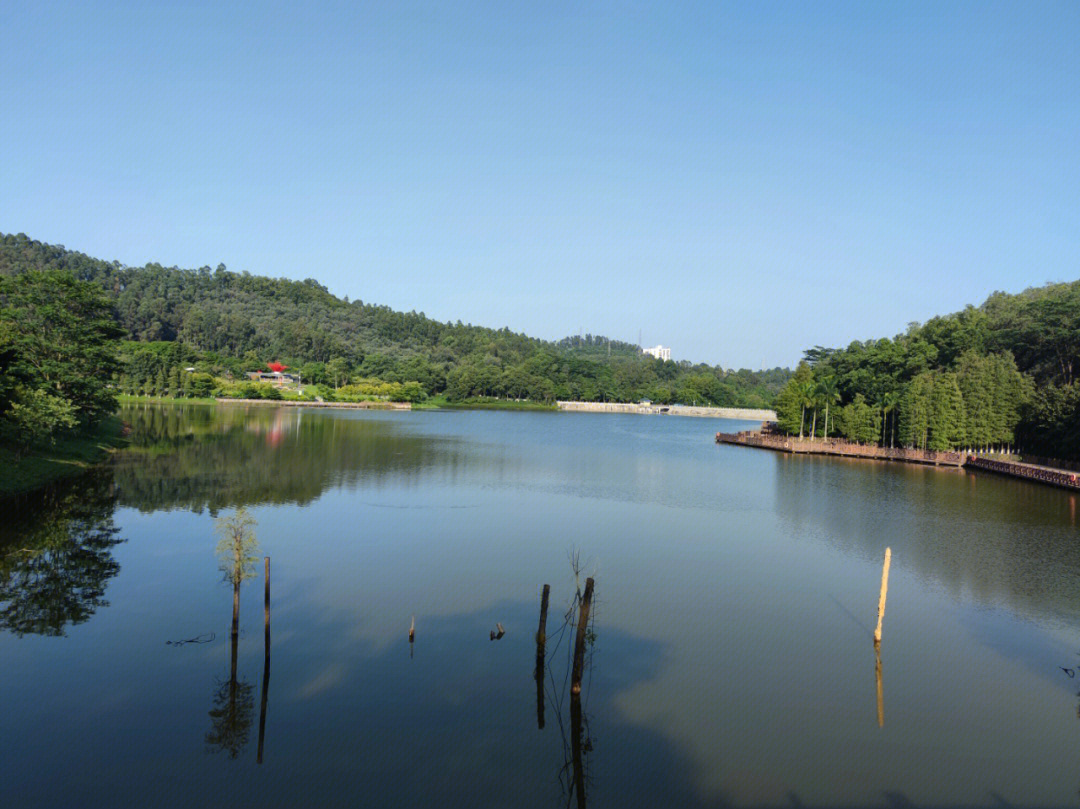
[669,410]
[343,405]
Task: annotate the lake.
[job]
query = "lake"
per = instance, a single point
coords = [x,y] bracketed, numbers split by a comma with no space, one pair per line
[729,661]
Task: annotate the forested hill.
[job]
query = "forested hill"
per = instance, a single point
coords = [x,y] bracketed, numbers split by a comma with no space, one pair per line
[234,322]
[999,375]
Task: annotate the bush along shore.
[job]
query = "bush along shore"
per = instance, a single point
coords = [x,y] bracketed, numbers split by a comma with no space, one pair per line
[68,456]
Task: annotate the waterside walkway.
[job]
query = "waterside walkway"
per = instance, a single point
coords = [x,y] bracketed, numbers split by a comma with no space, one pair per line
[839,447]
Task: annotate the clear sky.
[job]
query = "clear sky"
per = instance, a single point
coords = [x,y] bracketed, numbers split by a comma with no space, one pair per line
[738,181]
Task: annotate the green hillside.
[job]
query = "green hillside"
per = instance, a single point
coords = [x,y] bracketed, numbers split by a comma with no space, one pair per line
[228,323]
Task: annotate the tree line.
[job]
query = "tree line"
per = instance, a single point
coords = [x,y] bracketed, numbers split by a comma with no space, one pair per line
[998,376]
[226,324]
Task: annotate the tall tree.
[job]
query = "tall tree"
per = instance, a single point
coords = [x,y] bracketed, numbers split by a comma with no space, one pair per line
[828,393]
[63,340]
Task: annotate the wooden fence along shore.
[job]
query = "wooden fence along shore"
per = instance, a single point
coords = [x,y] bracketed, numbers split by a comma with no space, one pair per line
[847,449]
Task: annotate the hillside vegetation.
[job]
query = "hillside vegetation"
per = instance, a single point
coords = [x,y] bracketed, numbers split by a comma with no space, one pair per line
[224,324]
[999,376]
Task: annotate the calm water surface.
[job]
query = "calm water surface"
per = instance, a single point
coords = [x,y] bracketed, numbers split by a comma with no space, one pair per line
[731,660]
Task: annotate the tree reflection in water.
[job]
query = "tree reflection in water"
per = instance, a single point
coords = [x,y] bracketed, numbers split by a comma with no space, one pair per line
[197,457]
[56,555]
[232,714]
[234,701]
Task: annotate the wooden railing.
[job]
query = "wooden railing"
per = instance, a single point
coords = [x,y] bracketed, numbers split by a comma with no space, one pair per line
[842,448]
[1069,480]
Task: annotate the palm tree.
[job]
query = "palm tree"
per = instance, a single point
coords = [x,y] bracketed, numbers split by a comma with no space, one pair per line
[804,391]
[828,392]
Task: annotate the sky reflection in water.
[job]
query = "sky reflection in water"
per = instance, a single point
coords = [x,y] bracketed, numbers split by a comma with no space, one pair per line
[736,591]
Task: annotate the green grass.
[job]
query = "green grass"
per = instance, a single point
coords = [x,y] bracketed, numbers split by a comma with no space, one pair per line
[484,403]
[69,456]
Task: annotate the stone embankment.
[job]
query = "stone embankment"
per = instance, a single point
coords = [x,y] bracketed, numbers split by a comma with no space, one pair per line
[744,414]
[839,447]
[342,405]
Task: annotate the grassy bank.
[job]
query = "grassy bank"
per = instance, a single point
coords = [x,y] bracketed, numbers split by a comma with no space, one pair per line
[69,456]
[441,403]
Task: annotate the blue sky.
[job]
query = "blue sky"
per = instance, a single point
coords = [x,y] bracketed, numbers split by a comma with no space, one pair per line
[738,181]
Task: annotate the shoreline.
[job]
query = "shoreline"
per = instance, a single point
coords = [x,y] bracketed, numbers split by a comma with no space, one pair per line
[69,457]
[840,448]
[737,413]
[340,405]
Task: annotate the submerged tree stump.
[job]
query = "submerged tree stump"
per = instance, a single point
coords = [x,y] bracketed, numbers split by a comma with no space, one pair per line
[579,644]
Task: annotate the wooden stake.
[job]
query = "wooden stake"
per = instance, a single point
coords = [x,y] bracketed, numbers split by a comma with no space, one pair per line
[541,642]
[541,633]
[884,590]
[579,645]
[412,629]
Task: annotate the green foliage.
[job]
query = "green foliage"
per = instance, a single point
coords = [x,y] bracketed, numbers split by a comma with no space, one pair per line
[826,394]
[984,377]
[946,413]
[58,337]
[224,324]
[860,422]
[792,401]
[916,411]
[237,548]
[37,415]
[1051,426]
[67,454]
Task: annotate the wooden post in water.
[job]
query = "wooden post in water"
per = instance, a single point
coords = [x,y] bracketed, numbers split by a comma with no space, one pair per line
[266,603]
[541,643]
[884,590]
[576,753]
[266,659]
[579,645]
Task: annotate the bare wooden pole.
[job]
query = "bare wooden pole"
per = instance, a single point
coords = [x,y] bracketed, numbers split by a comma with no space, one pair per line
[266,659]
[884,591]
[412,629]
[541,633]
[541,642]
[579,645]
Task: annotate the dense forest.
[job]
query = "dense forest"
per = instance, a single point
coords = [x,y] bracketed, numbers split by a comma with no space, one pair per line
[58,352]
[998,376]
[198,333]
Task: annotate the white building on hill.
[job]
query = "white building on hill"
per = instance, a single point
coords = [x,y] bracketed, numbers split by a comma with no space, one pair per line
[659,352]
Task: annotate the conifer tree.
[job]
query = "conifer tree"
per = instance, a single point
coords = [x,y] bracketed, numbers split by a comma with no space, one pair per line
[946,413]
